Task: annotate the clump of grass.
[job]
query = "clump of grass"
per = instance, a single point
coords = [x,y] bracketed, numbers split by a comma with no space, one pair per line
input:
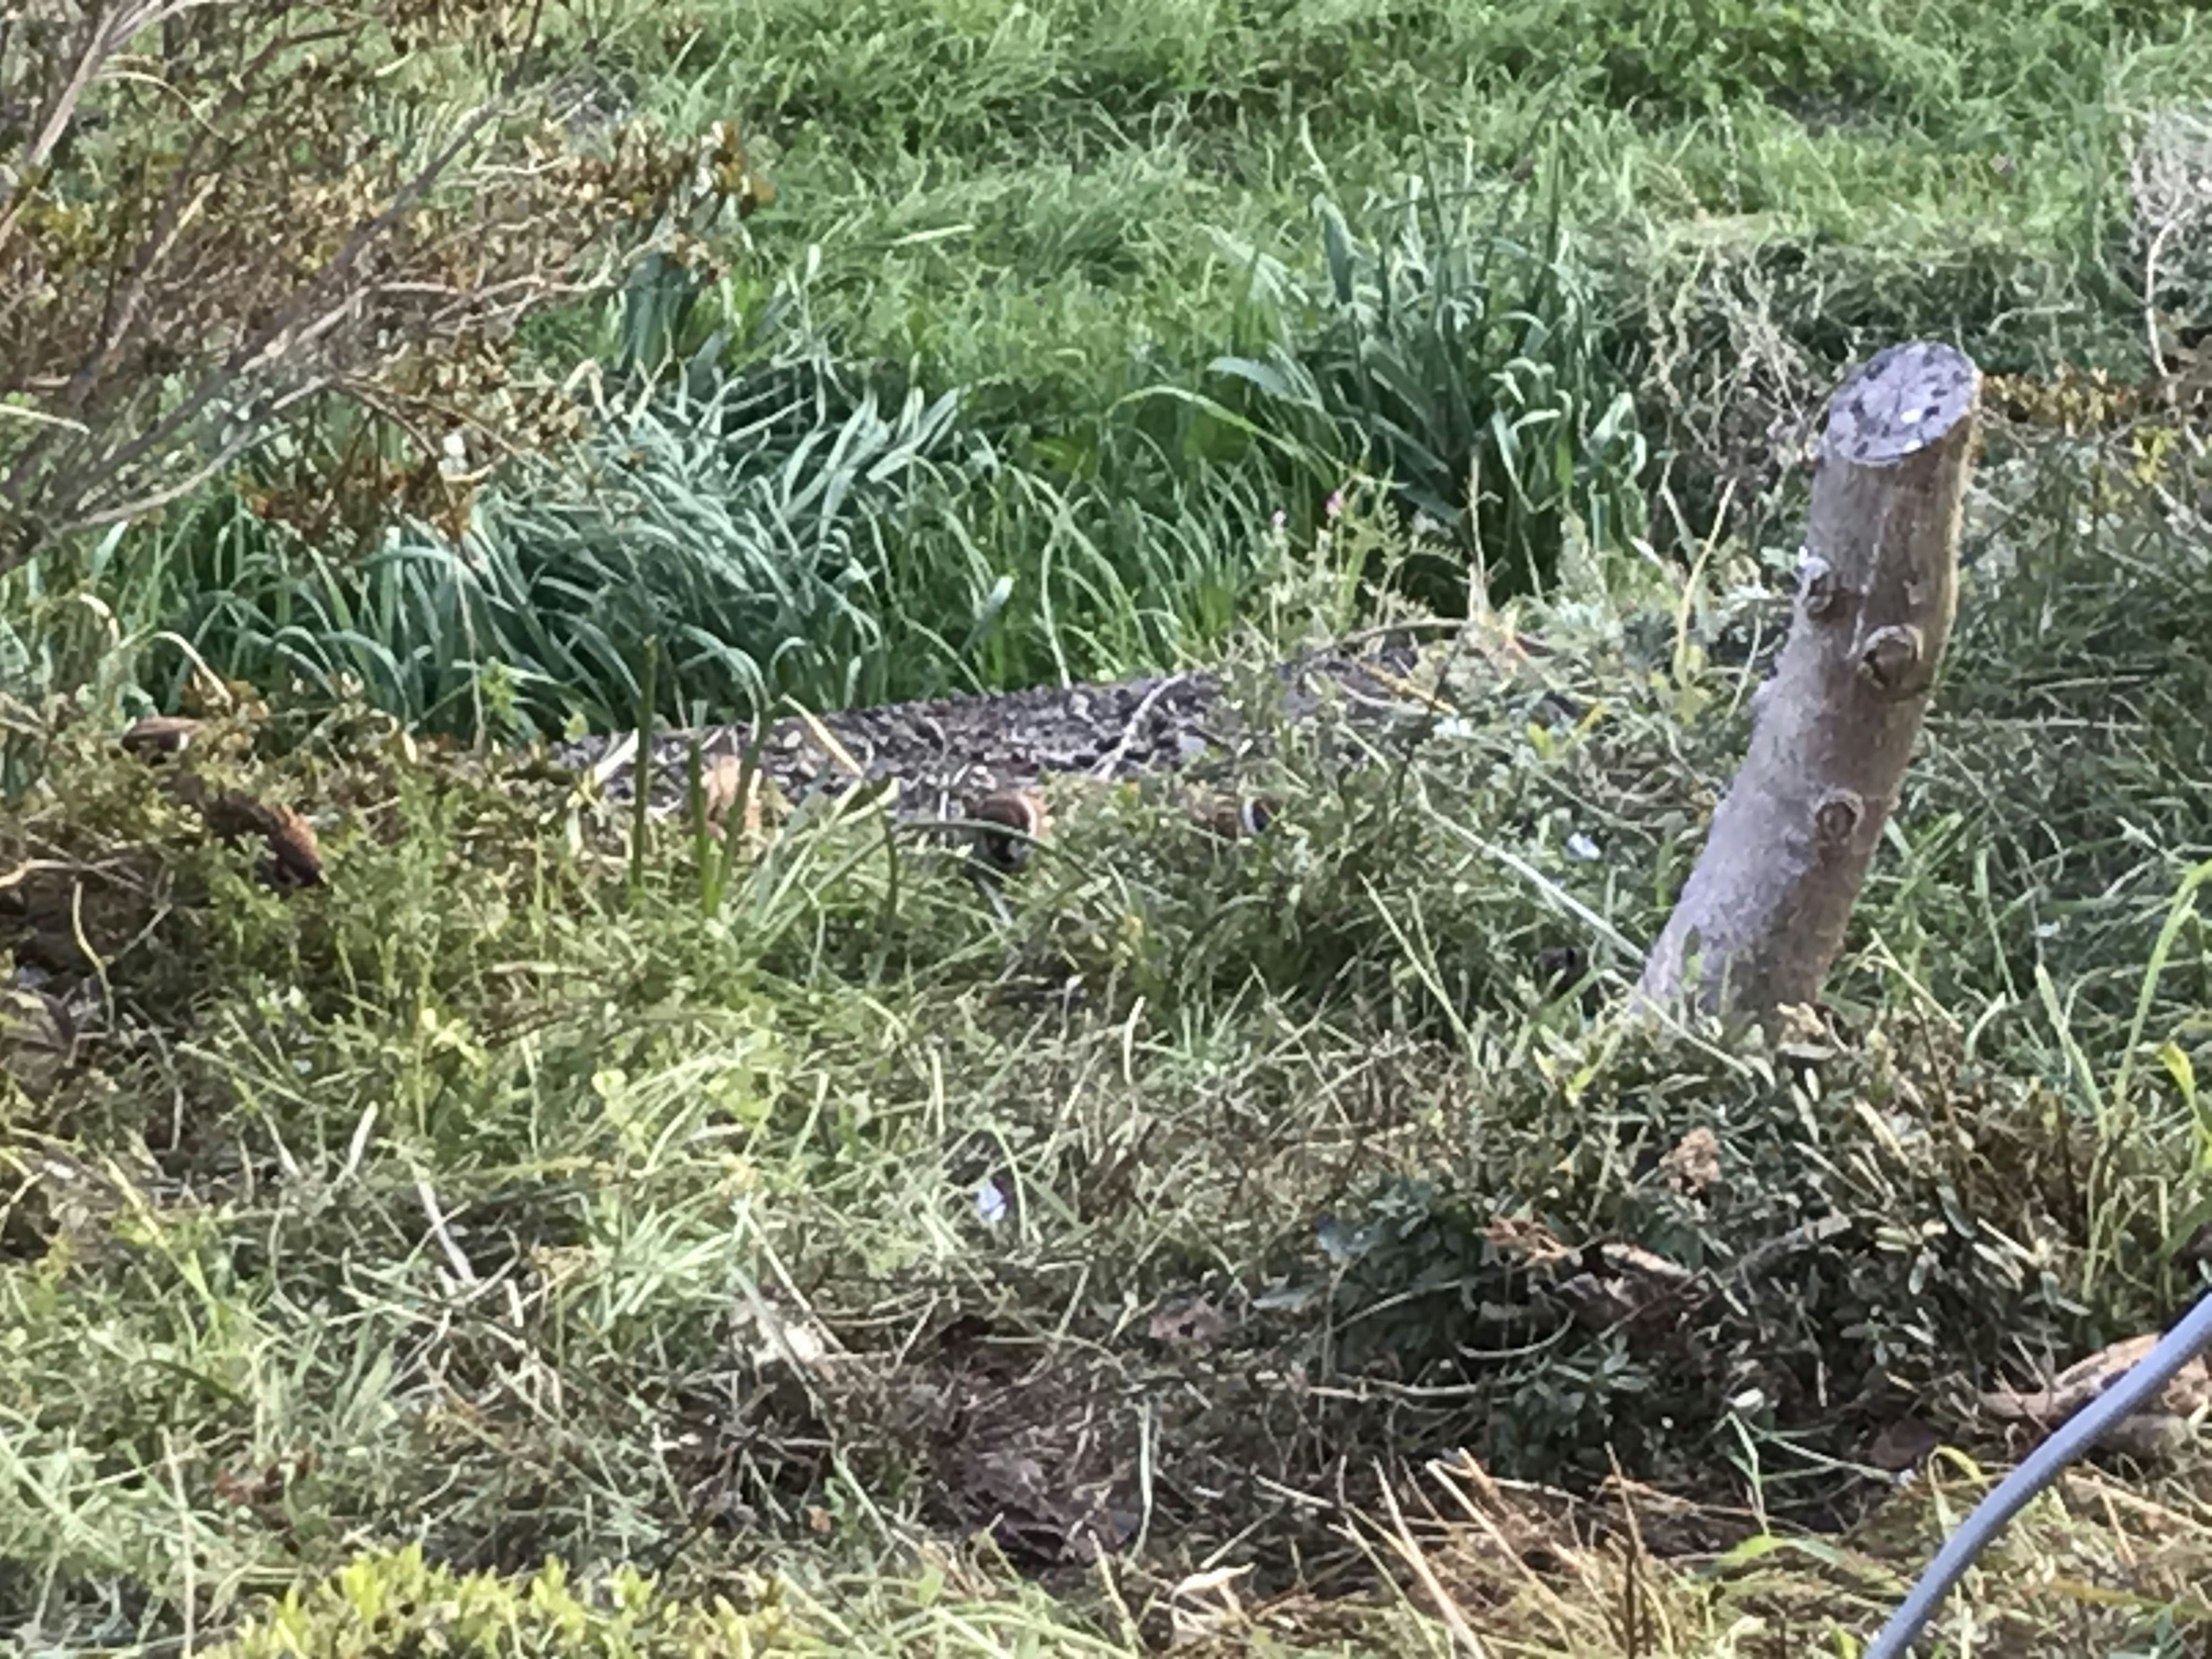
[1464,361]
[802,529]
[744,523]
[68,624]
[1920,155]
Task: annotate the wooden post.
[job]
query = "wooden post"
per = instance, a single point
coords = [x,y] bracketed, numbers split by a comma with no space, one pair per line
[1763,915]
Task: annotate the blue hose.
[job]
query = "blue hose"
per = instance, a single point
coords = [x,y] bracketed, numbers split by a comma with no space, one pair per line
[2142,1384]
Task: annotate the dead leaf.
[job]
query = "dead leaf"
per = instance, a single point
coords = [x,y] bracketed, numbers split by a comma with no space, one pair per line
[1801,1034]
[1234,817]
[1218,1583]
[1011,821]
[1195,1323]
[1518,1236]
[778,1340]
[725,778]
[1558,966]
[296,857]
[1634,1259]
[38,1038]
[1634,1284]
[1204,1605]
[719,788]
[1693,1164]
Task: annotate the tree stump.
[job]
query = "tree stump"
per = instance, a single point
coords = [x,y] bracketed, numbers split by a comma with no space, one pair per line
[1763,915]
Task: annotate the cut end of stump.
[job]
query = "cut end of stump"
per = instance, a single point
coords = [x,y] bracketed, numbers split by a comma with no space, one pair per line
[1902,400]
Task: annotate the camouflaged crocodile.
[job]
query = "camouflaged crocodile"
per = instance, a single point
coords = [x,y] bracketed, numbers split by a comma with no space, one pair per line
[947,754]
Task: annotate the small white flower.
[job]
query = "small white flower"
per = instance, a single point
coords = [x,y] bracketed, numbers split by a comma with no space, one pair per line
[1581,846]
[990,1203]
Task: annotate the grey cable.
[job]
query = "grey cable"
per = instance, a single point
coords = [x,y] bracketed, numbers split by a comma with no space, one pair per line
[2140,1384]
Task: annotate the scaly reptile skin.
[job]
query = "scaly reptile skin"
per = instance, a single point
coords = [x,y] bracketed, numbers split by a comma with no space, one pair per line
[963,749]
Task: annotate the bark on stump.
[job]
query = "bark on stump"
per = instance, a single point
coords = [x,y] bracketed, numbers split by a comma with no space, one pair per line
[1764,913]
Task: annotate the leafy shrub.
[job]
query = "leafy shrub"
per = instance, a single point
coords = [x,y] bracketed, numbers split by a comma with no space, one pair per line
[221,221]
[1796,1302]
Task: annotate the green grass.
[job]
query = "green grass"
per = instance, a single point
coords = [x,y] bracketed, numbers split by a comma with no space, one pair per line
[1075,220]
[1121,132]
[485,1201]
[494,1202]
